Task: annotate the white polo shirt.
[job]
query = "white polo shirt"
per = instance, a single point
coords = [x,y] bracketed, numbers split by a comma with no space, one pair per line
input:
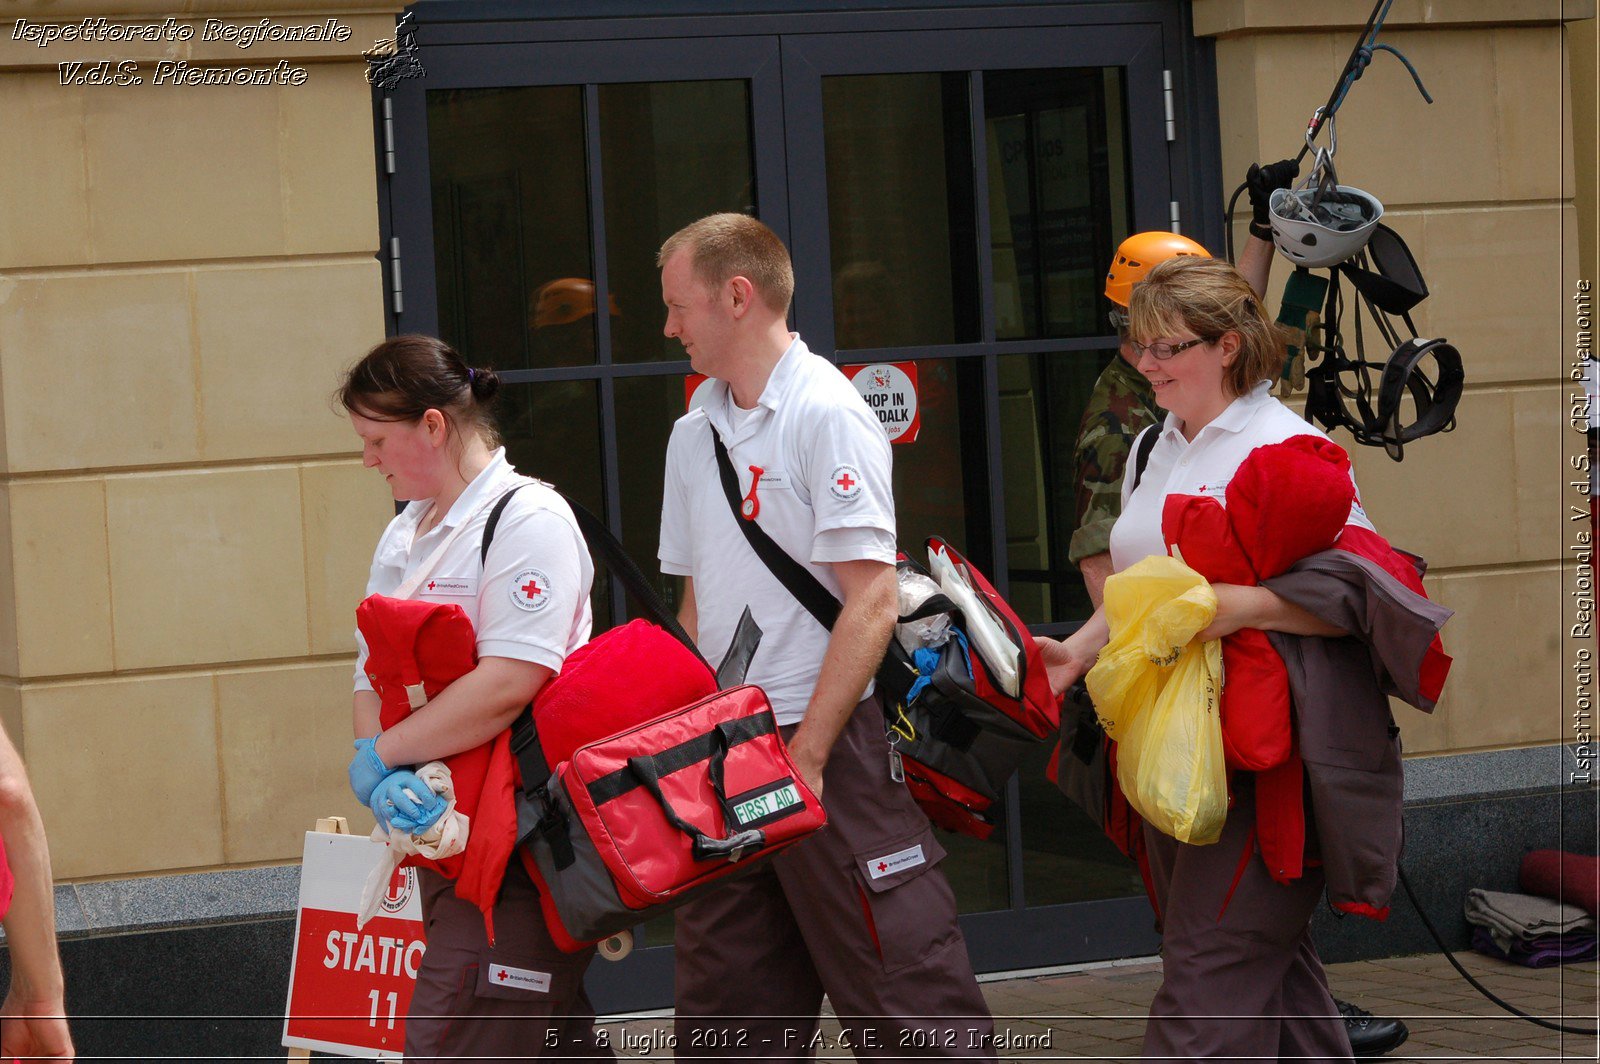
[825,496]
[1203,467]
[529,601]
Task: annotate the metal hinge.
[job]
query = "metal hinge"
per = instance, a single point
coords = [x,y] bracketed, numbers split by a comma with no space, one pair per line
[395,287]
[389,135]
[1166,94]
[1177,218]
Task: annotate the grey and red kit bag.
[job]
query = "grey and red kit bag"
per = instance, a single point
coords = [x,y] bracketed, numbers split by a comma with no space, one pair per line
[643,779]
[956,744]
[962,734]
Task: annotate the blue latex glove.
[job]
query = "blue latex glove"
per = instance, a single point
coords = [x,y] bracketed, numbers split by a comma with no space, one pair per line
[367,770]
[402,800]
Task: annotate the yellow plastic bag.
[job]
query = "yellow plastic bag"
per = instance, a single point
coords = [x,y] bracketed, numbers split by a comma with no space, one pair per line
[1170,761]
[1153,609]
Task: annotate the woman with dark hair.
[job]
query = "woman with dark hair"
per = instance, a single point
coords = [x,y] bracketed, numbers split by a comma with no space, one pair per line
[1241,979]
[425,422]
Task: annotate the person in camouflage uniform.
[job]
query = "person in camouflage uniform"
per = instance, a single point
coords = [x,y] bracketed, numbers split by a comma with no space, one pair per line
[1121,405]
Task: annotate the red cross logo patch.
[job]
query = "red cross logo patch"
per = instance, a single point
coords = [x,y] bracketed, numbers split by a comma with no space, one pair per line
[399,890]
[844,483]
[530,590]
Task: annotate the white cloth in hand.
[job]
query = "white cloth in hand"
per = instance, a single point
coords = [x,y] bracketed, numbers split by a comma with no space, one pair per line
[446,838]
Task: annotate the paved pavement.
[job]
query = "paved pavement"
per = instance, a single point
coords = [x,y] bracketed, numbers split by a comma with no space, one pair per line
[1097,1012]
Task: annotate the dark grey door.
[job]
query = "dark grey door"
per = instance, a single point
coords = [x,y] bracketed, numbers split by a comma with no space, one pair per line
[974,184]
[951,184]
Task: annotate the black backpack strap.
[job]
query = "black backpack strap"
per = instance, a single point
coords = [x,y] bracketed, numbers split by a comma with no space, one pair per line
[626,572]
[1141,458]
[489,525]
[524,737]
[607,548]
[796,578]
[535,813]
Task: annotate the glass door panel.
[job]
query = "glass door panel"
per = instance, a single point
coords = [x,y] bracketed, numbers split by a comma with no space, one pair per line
[900,209]
[511,225]
[551,430]
[1060,195]
[986,271]
[941,486]
[672,152]
[1042,398]
[1065,855]
[646,407]
[1061,201]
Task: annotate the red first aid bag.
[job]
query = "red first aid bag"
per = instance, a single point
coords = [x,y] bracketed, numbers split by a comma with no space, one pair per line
[644,779]
[645,820]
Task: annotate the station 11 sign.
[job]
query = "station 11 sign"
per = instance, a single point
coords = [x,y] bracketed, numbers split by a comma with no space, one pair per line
[349,989]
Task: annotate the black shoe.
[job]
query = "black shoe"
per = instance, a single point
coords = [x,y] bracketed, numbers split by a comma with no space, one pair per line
[1370,1036]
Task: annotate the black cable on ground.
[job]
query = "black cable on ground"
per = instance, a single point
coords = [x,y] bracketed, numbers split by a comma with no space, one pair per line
[1479,987]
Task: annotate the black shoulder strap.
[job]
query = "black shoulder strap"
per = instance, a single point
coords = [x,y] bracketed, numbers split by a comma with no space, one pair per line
[1141,458]
[608,549]
[796,578]
[489,525]
[535,813]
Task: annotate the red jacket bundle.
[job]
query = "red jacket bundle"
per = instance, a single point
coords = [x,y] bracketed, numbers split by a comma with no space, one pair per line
[432,644]
[1286,501]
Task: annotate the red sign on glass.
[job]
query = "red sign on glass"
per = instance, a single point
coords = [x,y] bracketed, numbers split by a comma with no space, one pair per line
[889,388]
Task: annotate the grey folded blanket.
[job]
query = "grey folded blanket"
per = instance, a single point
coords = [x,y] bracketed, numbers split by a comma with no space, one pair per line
[1519,918]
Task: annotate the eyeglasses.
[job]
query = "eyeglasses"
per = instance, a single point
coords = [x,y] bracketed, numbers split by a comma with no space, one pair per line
[1162,352]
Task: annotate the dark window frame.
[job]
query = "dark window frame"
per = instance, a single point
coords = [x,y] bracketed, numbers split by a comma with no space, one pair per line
[481,43]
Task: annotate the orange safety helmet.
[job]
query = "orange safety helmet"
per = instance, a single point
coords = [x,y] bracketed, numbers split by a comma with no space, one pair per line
[1138,254]
[566,300]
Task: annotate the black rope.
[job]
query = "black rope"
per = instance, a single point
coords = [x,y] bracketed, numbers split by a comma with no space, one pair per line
[1479,987]
[1227,219]
[1354,67]
[1350,72]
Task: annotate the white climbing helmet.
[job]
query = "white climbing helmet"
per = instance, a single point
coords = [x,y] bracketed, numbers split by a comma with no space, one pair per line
[1320,222]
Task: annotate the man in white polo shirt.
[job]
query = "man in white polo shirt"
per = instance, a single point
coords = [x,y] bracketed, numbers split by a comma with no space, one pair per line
[858,912]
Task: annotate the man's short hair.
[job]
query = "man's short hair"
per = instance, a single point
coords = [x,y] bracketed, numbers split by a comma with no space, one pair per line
[728,245]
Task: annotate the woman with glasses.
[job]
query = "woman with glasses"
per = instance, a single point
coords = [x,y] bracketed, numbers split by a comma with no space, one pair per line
[1241,979]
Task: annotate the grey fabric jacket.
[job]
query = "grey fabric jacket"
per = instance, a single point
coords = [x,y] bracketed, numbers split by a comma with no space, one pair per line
[1348,738]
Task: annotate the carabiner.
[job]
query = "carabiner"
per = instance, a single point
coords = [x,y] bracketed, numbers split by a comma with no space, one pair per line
[1315,126]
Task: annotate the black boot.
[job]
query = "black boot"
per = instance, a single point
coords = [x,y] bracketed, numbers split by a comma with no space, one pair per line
[1370,1036]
